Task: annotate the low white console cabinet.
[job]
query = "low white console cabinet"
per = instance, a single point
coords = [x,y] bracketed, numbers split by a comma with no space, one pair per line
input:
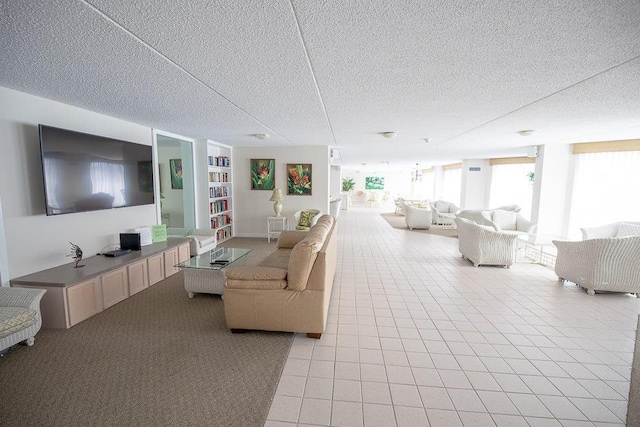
[75,294]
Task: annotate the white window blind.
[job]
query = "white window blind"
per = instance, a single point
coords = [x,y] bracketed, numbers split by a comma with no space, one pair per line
[511,185]
[606,189]
[451,185]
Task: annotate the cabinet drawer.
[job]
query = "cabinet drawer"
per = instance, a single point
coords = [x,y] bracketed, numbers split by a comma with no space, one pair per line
[84,300]
[155,266]
[184,253]
[138,277]
[170,259]
[115,287]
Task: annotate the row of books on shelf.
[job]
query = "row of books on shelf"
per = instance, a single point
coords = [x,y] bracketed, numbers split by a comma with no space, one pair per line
[221,161]
[218,206]
[220,220]
[218,177]
[218,192]
[223,234]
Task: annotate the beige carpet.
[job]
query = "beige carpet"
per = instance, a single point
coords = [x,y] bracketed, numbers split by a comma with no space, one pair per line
[633,411]
[397,221]
[155,359]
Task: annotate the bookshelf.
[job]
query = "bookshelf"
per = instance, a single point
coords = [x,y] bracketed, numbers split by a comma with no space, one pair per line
[220,191]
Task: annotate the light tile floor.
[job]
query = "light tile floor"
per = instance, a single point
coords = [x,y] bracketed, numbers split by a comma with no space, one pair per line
[417,336]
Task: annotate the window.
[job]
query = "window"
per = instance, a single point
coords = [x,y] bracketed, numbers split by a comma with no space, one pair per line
[451,184]
[512,184]
[606,189]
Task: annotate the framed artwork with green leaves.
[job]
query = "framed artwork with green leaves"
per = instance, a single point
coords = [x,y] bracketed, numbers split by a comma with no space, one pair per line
[263,174]
[299,179]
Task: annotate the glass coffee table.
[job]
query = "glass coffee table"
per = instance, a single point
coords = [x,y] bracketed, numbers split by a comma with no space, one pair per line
[538,243]
[204,274]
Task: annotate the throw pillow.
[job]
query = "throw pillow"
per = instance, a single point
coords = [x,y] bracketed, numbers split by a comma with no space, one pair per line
[506,220]
[305,218]
[626,229]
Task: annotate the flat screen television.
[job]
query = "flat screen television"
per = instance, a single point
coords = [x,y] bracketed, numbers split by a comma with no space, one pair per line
[84,172]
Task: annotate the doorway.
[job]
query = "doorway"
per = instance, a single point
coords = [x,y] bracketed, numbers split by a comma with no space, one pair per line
[176,178]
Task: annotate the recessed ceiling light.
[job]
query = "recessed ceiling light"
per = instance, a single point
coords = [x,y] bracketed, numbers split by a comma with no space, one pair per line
[389,135]
[262,135]
[526,132]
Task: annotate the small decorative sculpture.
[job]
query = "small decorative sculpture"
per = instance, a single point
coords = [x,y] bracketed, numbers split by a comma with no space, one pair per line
[76,254]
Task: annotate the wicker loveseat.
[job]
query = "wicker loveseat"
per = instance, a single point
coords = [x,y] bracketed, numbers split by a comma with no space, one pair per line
[482,245]
[508,221]
[610,262]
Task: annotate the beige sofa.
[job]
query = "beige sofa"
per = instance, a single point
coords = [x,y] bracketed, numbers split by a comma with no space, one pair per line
[290,289]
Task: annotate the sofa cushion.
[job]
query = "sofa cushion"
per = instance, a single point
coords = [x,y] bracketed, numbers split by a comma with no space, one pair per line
[626,230]
[288,239]
[506,220]
[255,273]
[301,261]
[278,259]
[14,319]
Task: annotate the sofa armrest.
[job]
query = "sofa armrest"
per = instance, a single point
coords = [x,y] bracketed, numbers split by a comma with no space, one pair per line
[525,225]
[288,239]
[21,297]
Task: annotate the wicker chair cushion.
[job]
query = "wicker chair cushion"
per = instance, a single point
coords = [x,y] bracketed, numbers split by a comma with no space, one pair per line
[626,230]
[13,319]
[442,206]
[506,220]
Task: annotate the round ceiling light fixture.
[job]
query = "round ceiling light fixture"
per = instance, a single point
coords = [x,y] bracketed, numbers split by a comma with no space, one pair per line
[262,136]
[389,135]
[526,132]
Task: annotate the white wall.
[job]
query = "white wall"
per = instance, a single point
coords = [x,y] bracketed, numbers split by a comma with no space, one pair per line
[552,189]
[252,207]
[335,182]
[474,193]
[35,241]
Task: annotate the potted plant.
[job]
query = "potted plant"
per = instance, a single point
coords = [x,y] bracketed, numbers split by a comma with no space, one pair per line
[348,184]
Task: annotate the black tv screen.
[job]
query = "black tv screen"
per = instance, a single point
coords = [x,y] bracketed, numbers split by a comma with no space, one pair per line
[85,172]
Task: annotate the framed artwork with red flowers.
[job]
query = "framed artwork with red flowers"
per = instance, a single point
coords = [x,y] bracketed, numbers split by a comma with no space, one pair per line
[299,179]
[263,174]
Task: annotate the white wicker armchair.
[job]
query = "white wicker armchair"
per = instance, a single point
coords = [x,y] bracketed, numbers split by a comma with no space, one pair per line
[508,221]
[606,264]
[443,212]
[417,217]
[20,318]
[484,246]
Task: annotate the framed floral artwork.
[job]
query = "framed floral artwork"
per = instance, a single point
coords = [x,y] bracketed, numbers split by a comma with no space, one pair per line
[299,179]
[175,166]
[263,174]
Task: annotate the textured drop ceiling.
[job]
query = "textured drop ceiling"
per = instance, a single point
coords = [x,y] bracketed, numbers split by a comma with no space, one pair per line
[468,75]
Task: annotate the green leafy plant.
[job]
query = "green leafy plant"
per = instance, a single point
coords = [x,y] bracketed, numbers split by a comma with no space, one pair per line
[348,184]
[532,176]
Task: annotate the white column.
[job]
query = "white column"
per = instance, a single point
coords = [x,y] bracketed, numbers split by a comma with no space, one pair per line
[553,188]
[475,182]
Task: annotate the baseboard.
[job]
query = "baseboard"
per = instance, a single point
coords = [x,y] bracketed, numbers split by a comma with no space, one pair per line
[254,235]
